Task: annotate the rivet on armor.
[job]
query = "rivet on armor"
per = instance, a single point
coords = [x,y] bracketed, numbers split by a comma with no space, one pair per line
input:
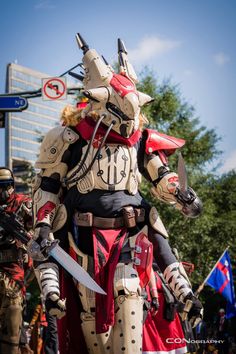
[53,150]
[149,149]
[133,327]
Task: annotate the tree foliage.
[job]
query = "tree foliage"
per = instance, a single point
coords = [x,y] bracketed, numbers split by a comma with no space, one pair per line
[200,240]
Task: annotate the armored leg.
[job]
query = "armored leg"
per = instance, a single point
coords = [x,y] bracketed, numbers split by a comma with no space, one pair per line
[96,343]
[10,318]
[127,336]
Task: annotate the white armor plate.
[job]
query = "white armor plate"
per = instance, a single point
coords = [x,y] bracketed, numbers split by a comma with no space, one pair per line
[54,144]
[114,169]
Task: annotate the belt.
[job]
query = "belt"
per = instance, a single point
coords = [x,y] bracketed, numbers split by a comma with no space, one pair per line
[131,216]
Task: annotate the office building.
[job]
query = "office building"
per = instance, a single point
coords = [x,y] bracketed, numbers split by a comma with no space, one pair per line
[25,129]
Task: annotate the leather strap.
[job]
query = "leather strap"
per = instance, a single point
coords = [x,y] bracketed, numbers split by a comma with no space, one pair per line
[128,219]
[108,223]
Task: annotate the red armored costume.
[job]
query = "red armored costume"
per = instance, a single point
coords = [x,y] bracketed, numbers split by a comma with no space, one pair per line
[13,263]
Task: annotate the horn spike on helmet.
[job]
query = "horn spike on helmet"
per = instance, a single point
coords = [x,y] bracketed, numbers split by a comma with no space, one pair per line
[81,42]
[108,65]
[120,55]
[121,47]
[105,61]
[125,66]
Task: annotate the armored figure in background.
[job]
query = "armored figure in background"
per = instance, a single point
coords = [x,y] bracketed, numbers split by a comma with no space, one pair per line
[86,195]
[13,262]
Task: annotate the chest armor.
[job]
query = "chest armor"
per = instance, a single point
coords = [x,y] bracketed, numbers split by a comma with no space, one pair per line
[114,169]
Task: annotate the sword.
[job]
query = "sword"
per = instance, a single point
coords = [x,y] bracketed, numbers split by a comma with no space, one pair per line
[65,260]
[12,226]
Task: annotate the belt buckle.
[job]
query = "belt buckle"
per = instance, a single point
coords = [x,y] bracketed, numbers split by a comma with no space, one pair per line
[84,219]
[129,216]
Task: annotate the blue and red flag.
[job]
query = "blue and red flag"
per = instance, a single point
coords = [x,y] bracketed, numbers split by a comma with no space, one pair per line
[221,279]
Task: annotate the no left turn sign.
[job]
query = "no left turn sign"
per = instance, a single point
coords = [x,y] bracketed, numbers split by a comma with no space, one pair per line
[54,88]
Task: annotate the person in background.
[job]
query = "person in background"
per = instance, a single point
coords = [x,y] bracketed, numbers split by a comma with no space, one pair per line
[13,263]
[38,326]
[222,332]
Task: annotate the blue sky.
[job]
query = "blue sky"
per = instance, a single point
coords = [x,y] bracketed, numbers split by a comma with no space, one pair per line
[191,41]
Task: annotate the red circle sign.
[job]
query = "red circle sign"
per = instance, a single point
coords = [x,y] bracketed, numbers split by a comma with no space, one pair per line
[54,88]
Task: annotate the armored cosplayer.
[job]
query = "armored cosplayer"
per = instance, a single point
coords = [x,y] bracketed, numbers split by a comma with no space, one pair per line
[14,208]
[87,196]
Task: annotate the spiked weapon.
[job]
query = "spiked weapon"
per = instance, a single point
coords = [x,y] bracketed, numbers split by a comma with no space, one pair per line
[12,226]
[183,180]
[192,205]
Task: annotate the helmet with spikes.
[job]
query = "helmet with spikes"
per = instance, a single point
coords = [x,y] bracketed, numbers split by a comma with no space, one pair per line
[112,95]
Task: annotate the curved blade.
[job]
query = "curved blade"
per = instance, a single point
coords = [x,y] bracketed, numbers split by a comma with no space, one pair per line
[67,262]
[183,181]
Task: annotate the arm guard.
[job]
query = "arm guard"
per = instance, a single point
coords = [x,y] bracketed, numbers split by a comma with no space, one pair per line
[157,147]
[165,182]
[166,189]
[166,186]
[177,281]
[52,162]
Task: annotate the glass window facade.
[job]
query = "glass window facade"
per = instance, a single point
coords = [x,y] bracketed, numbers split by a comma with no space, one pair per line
[25,130]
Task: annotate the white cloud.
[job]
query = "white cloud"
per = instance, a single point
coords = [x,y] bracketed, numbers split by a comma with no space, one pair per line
[44,4]
[221,58]
[152,46]
[230,163]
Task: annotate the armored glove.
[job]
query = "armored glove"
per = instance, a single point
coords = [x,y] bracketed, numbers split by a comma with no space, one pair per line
[55,306]
[169,191]
[154,306]
[191,204]
[41,244]
[193,310]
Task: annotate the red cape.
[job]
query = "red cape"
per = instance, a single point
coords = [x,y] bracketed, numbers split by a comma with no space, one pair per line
[159,335]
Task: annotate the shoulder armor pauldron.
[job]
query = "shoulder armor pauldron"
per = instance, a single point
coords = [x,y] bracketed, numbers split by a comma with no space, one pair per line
[156,141]
[54,144]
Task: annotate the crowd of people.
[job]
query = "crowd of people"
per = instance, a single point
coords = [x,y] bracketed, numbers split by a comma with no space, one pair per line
[87,197]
